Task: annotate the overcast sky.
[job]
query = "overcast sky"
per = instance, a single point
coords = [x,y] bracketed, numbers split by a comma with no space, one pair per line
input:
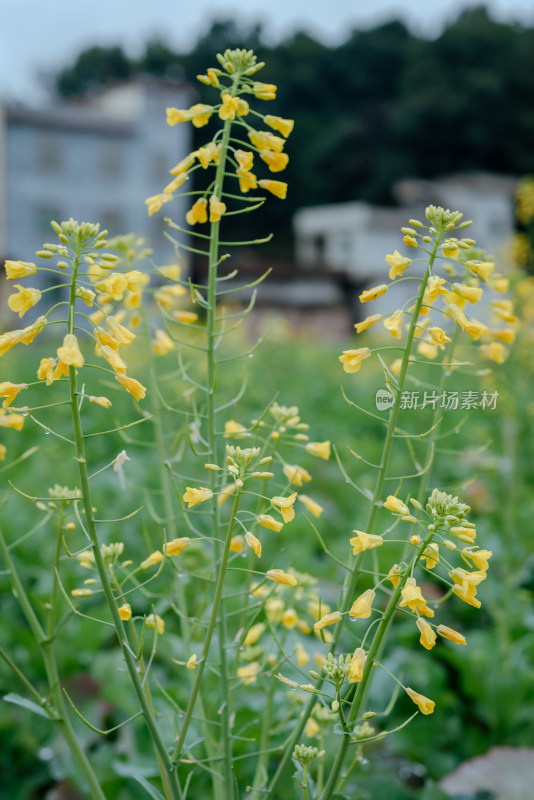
[41,36]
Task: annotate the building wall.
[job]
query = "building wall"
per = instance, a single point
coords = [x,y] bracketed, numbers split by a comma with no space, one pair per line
[92,174]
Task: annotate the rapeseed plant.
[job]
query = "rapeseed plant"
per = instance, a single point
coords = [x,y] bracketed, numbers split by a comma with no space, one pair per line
[221,598]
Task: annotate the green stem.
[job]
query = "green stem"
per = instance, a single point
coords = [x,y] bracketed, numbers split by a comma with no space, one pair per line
[349,586]
[421,495]
[260,774]
[170,520]
[120,631]
[209,632]
[45,645]
[365,682]
[211,334]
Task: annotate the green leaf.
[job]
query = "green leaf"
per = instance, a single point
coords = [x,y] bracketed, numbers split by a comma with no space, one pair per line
[128,770]
[18,700]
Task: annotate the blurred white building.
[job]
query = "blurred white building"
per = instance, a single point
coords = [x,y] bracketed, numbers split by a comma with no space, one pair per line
[96,159]
[355,237]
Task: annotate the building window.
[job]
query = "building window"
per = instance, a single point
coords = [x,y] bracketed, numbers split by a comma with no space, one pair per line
[319,245]
[111,159]
[49,153]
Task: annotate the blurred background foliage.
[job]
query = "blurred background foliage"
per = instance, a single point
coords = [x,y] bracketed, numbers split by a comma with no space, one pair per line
[384,105]
[482,692]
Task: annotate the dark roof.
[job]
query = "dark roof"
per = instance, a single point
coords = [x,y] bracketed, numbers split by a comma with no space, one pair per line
[68,118]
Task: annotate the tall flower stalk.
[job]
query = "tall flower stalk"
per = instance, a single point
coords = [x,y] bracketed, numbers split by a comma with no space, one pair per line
[235,487]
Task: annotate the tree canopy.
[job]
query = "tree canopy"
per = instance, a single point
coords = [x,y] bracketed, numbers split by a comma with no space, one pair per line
[384,105]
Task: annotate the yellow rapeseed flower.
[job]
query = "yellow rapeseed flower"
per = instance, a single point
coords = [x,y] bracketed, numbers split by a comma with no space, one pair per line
[195,496]
[10,391]
[283,126]
[245,159]
[192,662]
[104,338]
[319,449]
[431,555]
[198,212]
[155,622]
[285,506]
[234,429]
[352,359]
[278,188]
[19,269]
[481,268]
[328,619]
[168,296]
[13,421]
[435,287]
[505,335]
[125,611]
[362,606]
[247,180]
[254,633]
[356,666]
[394,324]
[185,317]
[396,506]
[289,618]
[175,546]
[264,91]
[397,264]
[254,543]
[119,332]
[279,576]
[46,370]
[208,153]
[394,575]
[112,357]
[264,140]
[184,164]
[480,558]
[175,184]
[229,106]
[23,300]
[503,309]
[470,293]
[225,493]
[439,336]
[136,389]
[428,635]
[372,294]
[236,543]
[297,475]
[311,505]
[154,558]
[217,208]
[367,322]
[156,201]
[105,402]
[249,672]
[69,352]
[162,343]
[451,634]
[423,703]
[414,600]
[275,161]
[269,522]
[495,351]
[365,541]
[449,249]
